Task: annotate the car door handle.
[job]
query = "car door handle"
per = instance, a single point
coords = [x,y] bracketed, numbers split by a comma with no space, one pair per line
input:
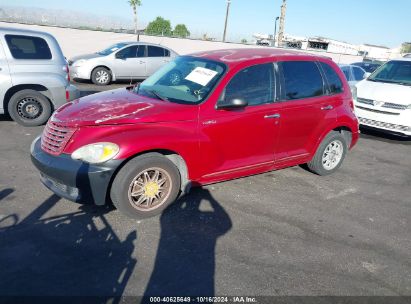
[325,108]
[276,115]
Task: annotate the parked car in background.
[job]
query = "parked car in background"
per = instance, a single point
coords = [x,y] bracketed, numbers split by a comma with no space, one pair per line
[408,55]
[353,74]
[124,60]
[367,66]
[34,76]
[233,113]
[383,100]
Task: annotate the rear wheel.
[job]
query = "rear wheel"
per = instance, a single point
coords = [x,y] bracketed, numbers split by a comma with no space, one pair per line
[29,108]
[145,186]
[101,76]
[330,154]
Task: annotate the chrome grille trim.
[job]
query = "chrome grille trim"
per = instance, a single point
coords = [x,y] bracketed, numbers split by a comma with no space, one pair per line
[55,138]
[386,125]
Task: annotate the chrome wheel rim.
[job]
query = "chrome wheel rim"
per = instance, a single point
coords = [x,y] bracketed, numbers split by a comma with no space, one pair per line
[102,76]
[332,155]
[29,108]
[150,189]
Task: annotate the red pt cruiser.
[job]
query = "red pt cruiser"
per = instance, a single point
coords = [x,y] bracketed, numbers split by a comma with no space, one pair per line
[201,119]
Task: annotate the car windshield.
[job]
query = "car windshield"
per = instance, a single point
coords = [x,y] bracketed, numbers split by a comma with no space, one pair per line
[111,49]
[186,80]
[393,72]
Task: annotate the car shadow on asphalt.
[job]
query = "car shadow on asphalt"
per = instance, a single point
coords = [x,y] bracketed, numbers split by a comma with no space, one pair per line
[5,192]
[80,254]
[73,254]
[384,137]
[4,117]
[185,261]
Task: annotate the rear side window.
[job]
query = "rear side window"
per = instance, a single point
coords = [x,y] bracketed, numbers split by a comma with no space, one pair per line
[334,82]
[28,47]
[254,84]
[302,79]
[359,74]
[155,51]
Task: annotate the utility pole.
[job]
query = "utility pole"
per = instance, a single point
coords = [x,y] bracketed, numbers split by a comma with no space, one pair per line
[282,21]
[275,28]
[226,19]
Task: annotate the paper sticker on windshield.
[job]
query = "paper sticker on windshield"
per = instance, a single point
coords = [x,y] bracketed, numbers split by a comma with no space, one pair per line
[201,76]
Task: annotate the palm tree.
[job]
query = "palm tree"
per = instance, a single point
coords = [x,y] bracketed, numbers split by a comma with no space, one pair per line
[134,4]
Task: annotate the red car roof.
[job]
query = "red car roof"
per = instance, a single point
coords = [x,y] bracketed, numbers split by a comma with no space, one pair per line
[234,56]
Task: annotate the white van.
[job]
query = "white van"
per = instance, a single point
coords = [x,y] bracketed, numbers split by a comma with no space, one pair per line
[34,76]
[383,100]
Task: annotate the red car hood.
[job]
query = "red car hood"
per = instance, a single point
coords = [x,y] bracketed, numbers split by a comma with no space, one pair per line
[121,106]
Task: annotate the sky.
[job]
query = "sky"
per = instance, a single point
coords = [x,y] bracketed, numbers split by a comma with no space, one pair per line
[380,22]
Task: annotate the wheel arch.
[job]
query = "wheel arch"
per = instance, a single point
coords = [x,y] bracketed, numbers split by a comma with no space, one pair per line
[113,76]
[173,156]
[19,87]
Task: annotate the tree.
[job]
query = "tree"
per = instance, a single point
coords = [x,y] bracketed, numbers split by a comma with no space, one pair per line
[406,47]
[181,30]
[244,41]
[159,26]
[134,4]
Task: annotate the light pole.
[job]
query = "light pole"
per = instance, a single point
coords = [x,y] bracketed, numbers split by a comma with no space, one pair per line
[275,28]
[226,19]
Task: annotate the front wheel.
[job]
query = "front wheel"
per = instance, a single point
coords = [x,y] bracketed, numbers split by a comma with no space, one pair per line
[330,154]
[29,108]
[101,76]
[145,186]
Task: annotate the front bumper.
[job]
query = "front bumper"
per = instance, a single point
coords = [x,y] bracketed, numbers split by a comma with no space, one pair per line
[80,72]
[74,180]
[388,121]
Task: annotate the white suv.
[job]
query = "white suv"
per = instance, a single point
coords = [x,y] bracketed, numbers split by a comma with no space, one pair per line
[383,100]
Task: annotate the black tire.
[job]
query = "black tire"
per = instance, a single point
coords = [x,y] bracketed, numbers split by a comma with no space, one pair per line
[101,76]
[316,165]
[29,108]
[121,188]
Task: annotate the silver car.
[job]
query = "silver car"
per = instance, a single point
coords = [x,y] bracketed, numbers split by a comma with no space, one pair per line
[353,74]
[34,76]
[125,60]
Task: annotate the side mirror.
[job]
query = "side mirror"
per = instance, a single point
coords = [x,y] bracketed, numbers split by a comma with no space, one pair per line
[119,55]
[235,103]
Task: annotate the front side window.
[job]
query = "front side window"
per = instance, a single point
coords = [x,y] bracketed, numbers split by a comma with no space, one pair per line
[128,52]
[395,71]
[302,79]
[334,82]
[254,84]
[28,47]
[155,51]
[186,80]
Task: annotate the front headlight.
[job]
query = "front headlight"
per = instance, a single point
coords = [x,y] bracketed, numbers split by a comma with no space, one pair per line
[354,93]
[96,153]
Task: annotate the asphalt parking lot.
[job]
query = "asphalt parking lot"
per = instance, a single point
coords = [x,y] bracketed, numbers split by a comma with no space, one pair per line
[286,232]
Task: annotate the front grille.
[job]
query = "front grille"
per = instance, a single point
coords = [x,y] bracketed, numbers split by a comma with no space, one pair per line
[381,124]
[365,101]
[395,106]
[55,138]
[377,111]
[388,105]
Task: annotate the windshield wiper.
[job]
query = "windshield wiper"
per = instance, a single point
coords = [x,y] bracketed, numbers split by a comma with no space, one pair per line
[156,94]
